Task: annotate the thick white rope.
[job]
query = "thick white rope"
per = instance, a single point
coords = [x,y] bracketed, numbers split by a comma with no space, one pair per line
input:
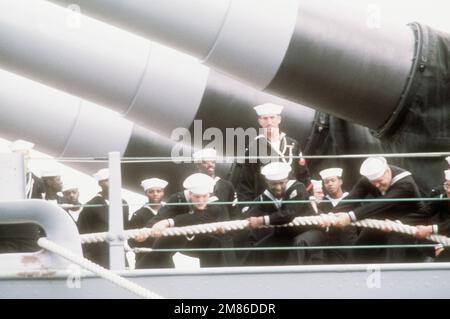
[98,270]
[243,224]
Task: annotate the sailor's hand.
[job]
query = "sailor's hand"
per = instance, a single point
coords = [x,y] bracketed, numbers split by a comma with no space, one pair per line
[141,236]
[159,227]
[342,220]
[424,231]
[327,220]
[387,228]
[220,231]
[255,222]
[438,250]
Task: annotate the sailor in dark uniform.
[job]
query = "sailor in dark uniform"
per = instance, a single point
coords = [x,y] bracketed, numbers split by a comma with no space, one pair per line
[440,219]
[271,143]
[223,189]
[94,218]
[154,190]
[274,209]
[53,186]
[383,181]
[23,237]
[193,209]
[332,182]
[71,202]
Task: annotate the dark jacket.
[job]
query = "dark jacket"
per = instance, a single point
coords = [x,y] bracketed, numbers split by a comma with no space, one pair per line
[280,213]
[185,214]
[225,192]
[403,186]
[93,220]
[251,183]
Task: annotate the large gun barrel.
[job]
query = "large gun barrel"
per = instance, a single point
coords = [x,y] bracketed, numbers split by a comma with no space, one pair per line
[155,87]
[338,57]
[66,126]
[331,55]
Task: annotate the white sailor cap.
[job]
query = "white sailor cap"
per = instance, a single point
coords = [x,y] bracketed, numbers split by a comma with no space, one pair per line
[373,167]
[153,183]
[206,154]
[199,184]
[101,175]
[50,172]
[447,174]
[317,185]
[448,159]
[331,172]
[20,145]
[268,109]
[67,186]
[276,171]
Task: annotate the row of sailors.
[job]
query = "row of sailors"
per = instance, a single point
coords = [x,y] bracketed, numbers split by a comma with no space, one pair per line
[379,180]
[252,184]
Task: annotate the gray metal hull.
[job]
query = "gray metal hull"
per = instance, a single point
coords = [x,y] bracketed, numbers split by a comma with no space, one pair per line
[296,282]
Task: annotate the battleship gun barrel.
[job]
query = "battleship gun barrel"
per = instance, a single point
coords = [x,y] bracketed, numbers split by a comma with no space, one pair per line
[332,55]
[63,125]
[153,86]
[344,58]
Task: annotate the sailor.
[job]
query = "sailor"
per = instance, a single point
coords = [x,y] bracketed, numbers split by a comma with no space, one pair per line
[154,190]
[71,202]
[440,212]
[34,185]
[53,186]
[334,194]
[94,218]
[272,207]
[194,208]
[205,160]
[271,143]
[383,181]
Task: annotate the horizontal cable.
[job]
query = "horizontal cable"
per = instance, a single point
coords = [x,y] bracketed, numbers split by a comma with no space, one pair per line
[230,159]
[150,250]
[306,201]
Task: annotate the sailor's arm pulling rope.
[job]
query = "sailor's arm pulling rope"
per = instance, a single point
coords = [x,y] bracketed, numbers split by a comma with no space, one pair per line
[243,224]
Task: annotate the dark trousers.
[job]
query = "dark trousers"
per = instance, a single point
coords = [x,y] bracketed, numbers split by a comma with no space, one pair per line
[264,243]
[308,238]
[340,237]
[162,259]
[97,253]
[444,256]
[386,255]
